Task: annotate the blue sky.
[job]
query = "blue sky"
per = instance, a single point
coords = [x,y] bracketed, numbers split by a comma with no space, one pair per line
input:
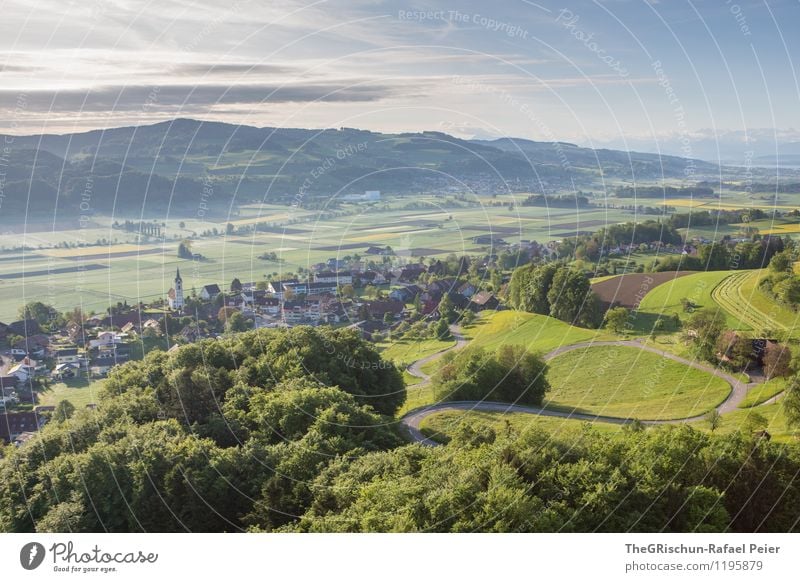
[633,73]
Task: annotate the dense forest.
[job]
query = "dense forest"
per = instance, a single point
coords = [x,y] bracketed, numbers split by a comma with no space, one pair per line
[293,430]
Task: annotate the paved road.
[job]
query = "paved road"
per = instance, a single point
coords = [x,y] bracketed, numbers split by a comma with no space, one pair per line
[415,369]
[412,420]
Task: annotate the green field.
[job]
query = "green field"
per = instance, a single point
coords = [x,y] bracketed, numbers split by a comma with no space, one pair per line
[777,316]
[405,352]
[777,428]
[665,300]
[764,392]
[79,392]
[442,425]
[631,383]
[538,333]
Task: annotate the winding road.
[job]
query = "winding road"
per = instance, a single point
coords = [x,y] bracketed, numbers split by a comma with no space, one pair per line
[413,419]
[415,369]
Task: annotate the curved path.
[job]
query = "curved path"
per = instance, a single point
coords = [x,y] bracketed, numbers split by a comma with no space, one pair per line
[415,369]
[412,420]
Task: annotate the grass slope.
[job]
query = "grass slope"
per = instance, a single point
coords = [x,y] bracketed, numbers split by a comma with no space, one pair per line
[404,352]
[631,383]
[665,299]
[538,333]
[764,392]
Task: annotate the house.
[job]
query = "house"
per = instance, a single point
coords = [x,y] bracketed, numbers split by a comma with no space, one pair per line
[335,264]
[269,305]
[410,272]
[296,289]
[104,338]
[63,371]
[13,424]
[483,300]
[436,289]
[152,324]
[405,294]
[379,309]
[278,288]
[23,371]
[68,356]
[299,311]
[335,277]
[36,345]
[467,289]
[209,292]
[129,328]
[371,278]
[106,358]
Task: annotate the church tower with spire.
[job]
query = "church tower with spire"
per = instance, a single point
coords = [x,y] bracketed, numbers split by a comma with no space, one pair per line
[175,296]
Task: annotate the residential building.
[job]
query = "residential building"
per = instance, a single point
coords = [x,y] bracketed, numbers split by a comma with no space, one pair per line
[335,277]
[483,300]
[13,424]
[209,292]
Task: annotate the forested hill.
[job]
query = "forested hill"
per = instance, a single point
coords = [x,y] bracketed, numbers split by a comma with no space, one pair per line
[171,165]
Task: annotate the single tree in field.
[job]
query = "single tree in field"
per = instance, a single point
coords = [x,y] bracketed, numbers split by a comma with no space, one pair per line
[617,319]
[236,286]
[714,419]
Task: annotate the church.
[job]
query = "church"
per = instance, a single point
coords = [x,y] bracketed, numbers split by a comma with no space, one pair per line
[175,295]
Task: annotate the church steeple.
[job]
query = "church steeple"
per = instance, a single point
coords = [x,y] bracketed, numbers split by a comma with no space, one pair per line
[175,295]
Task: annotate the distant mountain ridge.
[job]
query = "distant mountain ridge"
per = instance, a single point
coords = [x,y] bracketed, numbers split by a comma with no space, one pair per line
[171,165]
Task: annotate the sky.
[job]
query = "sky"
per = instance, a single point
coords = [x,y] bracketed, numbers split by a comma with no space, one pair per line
[676,76]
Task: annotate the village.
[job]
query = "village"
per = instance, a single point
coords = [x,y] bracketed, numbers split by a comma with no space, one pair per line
[381,295]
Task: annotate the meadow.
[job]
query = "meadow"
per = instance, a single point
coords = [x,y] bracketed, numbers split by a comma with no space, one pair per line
[631,383]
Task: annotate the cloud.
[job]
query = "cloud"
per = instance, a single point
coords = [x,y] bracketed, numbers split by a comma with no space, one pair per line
[212,68]
[187,97]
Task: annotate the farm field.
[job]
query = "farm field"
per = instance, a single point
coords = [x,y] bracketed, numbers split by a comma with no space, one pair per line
[442,425]
[778,316]
[631,383]
[665,300]
[728,295]
[134,272]
[628,290]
